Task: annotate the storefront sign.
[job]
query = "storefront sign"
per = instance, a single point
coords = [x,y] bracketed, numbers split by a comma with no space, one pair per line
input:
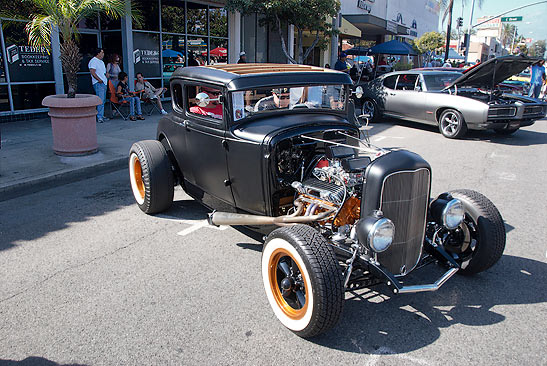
[146,54]
[391,26]
[27,63]
[363,4]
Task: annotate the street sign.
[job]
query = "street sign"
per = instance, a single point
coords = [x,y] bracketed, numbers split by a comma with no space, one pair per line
[511,19]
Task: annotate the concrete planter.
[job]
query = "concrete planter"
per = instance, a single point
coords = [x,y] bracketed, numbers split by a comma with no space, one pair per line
[73,123]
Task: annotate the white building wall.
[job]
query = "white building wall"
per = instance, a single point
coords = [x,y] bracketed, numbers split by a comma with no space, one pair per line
[420,16]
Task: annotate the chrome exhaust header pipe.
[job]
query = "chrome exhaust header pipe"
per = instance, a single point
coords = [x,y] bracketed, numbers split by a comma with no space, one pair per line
[228,218]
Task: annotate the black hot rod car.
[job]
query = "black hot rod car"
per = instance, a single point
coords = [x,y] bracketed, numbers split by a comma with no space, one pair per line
[272,145]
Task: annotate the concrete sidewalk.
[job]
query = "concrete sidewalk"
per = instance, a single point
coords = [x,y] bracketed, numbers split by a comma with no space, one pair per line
[28,163]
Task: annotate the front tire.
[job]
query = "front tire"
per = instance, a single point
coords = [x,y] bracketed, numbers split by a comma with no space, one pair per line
[451,124]
[151,176]
[302,279]
[369,107]
[482,234]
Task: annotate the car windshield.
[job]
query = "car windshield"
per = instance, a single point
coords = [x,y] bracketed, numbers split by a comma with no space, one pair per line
[267,100]
[441,80]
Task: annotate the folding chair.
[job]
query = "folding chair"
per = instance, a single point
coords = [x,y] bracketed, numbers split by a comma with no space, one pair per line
[148,105]
[116,104]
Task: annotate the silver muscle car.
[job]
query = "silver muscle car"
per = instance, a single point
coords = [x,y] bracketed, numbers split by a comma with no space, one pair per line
[455,101]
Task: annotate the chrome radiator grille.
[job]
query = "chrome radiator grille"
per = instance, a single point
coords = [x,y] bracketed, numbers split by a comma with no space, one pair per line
[405,197]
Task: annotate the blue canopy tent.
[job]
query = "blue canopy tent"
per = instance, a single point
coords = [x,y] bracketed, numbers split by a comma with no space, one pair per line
[358,51]
[393,47]
[171,53]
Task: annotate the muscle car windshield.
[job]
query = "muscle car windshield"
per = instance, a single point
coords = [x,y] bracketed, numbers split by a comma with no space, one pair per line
[441,80]
[266,100]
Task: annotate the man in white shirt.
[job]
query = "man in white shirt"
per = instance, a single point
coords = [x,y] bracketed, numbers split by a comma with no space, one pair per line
[98,79]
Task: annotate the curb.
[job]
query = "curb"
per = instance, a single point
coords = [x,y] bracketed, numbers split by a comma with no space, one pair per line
[41,183]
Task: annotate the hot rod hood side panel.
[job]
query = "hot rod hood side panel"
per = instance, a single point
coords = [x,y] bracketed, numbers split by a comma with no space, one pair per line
[482,75]
[257,130]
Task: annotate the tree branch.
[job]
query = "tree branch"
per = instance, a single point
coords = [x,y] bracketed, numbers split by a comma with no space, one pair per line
[283,45]
[308,51]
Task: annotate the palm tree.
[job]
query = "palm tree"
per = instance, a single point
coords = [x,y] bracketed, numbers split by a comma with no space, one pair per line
[66,15]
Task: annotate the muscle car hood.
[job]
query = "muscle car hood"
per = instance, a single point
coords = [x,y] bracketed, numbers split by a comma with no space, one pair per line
[493,71]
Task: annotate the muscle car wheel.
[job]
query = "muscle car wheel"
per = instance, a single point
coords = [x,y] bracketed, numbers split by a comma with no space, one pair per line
[369,107]
[302,279]
[480,240]
[451,124]
[151,176]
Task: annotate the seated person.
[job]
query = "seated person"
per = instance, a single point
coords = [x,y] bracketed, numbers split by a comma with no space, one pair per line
[270,102]
[214,108]
[123,94]
[277,99]
[148,91]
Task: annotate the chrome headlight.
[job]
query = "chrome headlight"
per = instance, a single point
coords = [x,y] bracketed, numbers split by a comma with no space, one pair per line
[376,232]
[453,214]
[447,211]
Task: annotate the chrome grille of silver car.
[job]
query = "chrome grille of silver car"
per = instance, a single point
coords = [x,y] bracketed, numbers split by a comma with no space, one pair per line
[405,197]
[537,109]
[502,112]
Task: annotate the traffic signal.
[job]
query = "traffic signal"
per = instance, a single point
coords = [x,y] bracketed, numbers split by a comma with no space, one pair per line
[460,22]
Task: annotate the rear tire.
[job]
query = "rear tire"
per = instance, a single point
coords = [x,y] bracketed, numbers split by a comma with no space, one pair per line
[151,176]
[302,279]
[451,124]
[482,233]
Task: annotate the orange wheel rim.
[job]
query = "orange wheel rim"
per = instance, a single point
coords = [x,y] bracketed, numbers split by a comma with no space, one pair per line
[137,175]
[289,301]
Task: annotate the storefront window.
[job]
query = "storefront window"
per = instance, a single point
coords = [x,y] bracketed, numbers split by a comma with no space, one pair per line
[261,43]
[112,44]
[88,44]
[25,63]
[172,16]
[2,71]
[29,96]
[218,21]
[197,19]
[218,51]
[146,54]
[198,47]
[248,36]
[89,23]
[4,98]
[150,11]
[108,23]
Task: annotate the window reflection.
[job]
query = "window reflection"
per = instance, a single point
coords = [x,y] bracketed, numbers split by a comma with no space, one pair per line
[197,19]
[172,16]
[218,21]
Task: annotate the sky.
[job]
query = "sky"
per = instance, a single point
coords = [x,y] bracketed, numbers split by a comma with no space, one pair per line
[534,18]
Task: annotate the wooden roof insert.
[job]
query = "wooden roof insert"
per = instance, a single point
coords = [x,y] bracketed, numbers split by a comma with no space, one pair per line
[245,69]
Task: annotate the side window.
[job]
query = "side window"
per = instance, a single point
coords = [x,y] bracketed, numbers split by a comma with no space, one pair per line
[407,81]
[390,81]
[177,97]
[213,109]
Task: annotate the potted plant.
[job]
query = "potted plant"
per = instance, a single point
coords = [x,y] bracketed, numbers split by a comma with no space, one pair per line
[72,115]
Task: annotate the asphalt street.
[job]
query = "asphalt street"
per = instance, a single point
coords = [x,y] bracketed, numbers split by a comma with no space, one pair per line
[88,279]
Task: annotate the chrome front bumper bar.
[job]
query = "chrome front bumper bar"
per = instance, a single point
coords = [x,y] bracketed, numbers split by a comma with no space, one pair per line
[431,287]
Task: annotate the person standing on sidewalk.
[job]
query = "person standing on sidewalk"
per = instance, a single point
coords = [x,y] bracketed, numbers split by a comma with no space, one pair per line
[537,79]
[98,79]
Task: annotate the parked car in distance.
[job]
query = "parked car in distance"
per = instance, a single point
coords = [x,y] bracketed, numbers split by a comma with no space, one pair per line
[453,101]
[271,145]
